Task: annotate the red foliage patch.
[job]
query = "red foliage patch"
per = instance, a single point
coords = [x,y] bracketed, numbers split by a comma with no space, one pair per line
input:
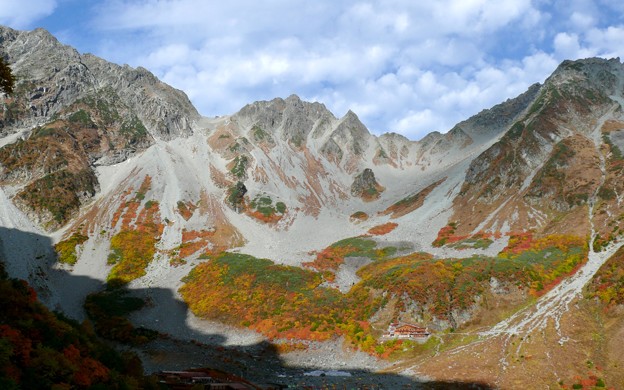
[380,230]
[519,242]
[329,259]
[194,241]
[446,235]
[186,209]
[271,218]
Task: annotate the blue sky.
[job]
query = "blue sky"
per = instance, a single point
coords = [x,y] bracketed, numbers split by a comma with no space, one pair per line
[406,66]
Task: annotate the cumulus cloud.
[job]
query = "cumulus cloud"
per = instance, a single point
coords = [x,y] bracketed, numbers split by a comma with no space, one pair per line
[405,66]
[16,14]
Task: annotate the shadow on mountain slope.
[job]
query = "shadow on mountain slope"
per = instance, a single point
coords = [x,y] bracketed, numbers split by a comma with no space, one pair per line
[30,256]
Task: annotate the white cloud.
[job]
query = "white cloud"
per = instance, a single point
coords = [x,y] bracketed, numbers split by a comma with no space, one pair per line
[16,14]
[567,45]
[582,20]
[608,42]
[401,65]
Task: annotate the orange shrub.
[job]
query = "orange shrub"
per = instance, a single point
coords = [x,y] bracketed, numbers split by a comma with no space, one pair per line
[380,230]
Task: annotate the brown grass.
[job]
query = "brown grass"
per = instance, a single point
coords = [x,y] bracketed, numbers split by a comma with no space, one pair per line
[411,203]
[612,125]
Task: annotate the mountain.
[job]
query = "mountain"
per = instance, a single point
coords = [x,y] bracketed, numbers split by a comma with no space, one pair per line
[283,222]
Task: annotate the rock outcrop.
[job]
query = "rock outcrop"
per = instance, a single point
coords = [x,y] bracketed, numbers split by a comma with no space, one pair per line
[365,186]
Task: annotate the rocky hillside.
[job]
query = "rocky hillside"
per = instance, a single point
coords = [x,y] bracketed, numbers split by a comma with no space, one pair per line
[71,112]
[315,229]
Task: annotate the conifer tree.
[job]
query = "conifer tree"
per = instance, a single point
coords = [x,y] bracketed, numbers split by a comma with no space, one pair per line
[7,80]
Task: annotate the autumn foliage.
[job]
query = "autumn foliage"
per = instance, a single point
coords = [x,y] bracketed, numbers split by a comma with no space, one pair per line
[380,230]
[330,258]
[608,283]
[446,235]
[263,209]
[66,249]
[412,202]
[292,303]
[276,300]
[134,246]
[193,241]
[186,209]
[42,350]
[358,216]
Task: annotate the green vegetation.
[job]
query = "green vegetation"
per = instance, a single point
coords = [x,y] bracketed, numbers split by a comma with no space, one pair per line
[297,140]
[236,195]
[104,102]
[329,259]
[615,150]
[66,249]
[240,167]
[371,191]
[559,157]
[58,193]
[264,205]
[445,234]
[608,283]
[277,300]
[7,80]
[109,309]
[262,208]
[606,193]
[81,117]
[473,243]
[260,135]
[134,246]
[43,131]
[238,145]
[133,130]
[363,247]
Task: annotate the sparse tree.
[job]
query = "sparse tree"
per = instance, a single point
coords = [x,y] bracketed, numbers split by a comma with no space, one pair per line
[7,80]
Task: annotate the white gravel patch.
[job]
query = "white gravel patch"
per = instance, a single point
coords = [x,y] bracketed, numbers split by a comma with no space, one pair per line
[332,355]
[346,276]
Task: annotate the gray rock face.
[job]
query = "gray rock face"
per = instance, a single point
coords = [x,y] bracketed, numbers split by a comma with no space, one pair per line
[596,73]
[493,121]
[352,134]
[289,119]
[51,76]
[365,184]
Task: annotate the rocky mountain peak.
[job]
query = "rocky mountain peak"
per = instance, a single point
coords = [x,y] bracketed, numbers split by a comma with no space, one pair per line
[52,76]
[598,73]
[290,119]
[352,133]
